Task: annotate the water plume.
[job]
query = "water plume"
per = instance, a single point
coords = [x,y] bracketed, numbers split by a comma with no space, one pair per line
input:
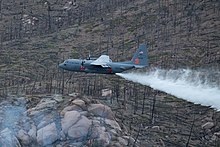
[200,87]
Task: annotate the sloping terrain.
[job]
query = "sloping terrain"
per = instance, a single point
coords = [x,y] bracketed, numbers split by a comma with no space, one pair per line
[37,35]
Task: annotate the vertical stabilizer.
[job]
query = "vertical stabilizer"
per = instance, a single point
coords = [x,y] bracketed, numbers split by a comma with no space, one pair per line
[140,57]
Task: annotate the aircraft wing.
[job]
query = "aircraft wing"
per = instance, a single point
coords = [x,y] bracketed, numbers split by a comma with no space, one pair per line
[102,61]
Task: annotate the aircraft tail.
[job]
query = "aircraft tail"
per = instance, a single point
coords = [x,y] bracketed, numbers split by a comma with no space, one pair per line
[140,58]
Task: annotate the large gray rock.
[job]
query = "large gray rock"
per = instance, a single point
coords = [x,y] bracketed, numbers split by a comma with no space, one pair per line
[44,106]
[101,135]
[104,138]
[58,98]
[43,113]
[46,103]
[70,108]
[79,131]
[23,137]
[101,110]
[7,139]
[107,122]
[113,124]
[70,118]
[129,138]
[208,125]
[47,135]
[79,103]
[74,94]
[22,101]
[123,141]
[97,130]
[42,124]
[217,134]
[47,119]
[33,132]
[214,138]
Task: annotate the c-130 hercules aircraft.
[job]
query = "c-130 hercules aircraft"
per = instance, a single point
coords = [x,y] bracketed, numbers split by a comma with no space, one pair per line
[104,64]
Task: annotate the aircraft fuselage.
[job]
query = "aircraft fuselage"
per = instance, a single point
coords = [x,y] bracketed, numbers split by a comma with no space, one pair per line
[79,65]
[104,64]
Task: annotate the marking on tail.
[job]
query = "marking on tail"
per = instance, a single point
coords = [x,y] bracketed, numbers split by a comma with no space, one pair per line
[136,61]
[141,52]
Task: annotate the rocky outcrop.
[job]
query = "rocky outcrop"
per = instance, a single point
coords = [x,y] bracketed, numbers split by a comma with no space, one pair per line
[52,122]
[7,138]
[101,111]
[208,125]
[70,118]
[47,135]
[23,137]
[80,130]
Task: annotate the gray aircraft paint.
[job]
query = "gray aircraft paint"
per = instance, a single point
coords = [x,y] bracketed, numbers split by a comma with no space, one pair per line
[139,60]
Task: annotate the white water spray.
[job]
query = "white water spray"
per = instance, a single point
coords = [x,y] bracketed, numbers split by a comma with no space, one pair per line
[197,87]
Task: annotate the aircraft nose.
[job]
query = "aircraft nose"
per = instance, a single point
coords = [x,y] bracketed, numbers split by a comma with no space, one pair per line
[61,65]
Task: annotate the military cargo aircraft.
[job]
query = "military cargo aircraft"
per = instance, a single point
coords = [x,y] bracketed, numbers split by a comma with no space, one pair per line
[104,64]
